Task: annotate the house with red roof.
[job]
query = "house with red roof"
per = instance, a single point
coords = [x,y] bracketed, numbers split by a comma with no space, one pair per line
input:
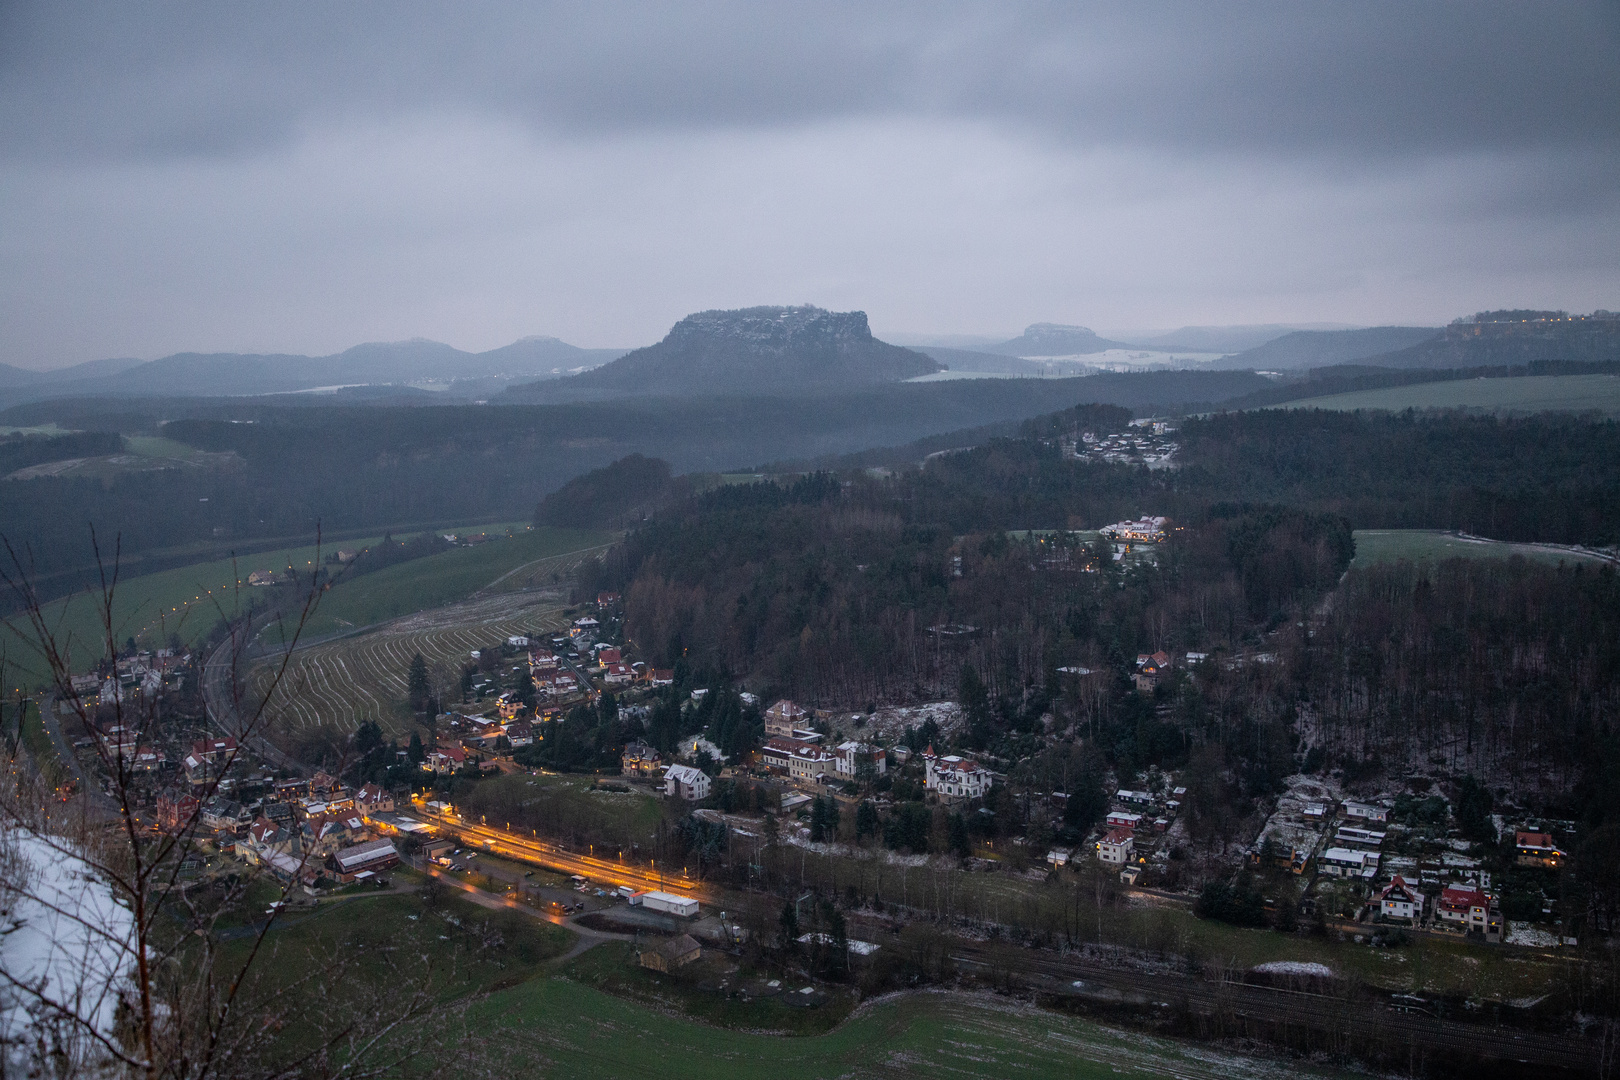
[1398,900]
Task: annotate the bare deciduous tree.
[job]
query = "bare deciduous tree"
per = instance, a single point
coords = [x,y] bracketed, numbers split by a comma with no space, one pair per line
[134,966]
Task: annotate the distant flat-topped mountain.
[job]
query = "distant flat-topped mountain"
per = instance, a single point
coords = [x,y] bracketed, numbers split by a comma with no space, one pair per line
[375,363]
[754,351]
[1482,341]
[1054,339]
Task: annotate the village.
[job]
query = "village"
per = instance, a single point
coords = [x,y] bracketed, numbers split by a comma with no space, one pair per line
[1357,861]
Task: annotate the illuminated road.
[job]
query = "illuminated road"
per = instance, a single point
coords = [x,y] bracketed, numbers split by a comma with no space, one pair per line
[540,853]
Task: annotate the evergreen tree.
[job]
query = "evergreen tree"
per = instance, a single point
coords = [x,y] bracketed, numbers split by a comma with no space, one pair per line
[417,683]
[415,752]
[866,820]
[958,836]
[789,921]
[975,701]
[367,737]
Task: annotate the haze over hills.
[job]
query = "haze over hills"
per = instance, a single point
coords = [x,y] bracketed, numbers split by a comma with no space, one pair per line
[394,362]
[760,350]
[1054,339]
[1321,348]
[1223,339]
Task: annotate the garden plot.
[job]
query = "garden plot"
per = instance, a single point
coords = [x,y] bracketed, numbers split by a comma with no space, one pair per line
[340,684]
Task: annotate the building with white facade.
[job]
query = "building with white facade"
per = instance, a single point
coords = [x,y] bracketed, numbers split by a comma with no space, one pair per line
[1116,848]
[686,782]
[955,777]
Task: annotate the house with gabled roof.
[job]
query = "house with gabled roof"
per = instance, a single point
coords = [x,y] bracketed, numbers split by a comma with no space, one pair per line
[1398,900]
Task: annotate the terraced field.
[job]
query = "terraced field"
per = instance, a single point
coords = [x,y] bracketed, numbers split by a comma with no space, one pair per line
[341,683]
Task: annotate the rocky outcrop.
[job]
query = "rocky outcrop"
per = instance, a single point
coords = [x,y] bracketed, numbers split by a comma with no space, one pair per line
[762,350]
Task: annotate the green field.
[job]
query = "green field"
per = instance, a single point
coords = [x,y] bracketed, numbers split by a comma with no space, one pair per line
[141,453]
[190,600]
[540,1019]
[187,602]
[1532,393]
[559,1028]
[1375,546]
[437,580]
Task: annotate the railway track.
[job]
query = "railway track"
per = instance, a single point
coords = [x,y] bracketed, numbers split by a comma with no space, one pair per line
[1353,1020]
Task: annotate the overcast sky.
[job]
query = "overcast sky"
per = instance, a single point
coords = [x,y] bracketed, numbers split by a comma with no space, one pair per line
[304,177]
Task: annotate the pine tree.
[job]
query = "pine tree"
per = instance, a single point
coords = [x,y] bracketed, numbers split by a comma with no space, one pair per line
[415,751]
[417,680]
[959,836]
[866,820]
[975,701]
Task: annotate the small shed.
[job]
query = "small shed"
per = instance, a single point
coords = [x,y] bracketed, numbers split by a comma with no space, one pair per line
[675,953]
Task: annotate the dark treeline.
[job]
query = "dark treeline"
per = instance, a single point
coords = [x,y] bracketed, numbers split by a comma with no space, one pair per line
[344,468]
[831,584]
[21,451]
[616,494]
[1544,478]
[1505,669]
[828,587]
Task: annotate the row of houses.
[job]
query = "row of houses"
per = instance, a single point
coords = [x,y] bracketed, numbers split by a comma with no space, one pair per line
[1463,907]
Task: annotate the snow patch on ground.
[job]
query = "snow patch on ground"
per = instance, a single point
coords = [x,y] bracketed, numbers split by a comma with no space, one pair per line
[63,934]
[891,722]
[1532,936]
[1296,967]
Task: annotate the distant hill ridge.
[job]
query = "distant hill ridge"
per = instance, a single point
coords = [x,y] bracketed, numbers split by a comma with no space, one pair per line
[210,374]
[749,351]
[1324,348]
[1054,339]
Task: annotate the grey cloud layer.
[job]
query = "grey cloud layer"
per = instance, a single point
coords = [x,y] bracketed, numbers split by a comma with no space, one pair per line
[1359,80]
[304,176]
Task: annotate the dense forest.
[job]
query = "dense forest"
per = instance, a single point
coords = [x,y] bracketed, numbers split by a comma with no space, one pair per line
[347,469]
[843,588]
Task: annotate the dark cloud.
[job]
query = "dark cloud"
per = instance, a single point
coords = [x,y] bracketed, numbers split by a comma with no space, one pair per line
[1357,80]
[303,176]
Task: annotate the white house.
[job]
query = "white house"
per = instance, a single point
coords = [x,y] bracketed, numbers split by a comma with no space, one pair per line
[689,783]
[1466,907]
[1116,848]
[1342,862]
[955,777]
[1371,812]
[1398,900]
[847,758]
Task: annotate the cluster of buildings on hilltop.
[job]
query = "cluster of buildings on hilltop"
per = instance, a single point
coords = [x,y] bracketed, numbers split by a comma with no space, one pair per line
[1150,446]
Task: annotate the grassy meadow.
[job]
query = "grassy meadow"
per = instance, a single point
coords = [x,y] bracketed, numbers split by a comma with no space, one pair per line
[189,601]
[1375,546]
[565,1029]
[1524,394]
